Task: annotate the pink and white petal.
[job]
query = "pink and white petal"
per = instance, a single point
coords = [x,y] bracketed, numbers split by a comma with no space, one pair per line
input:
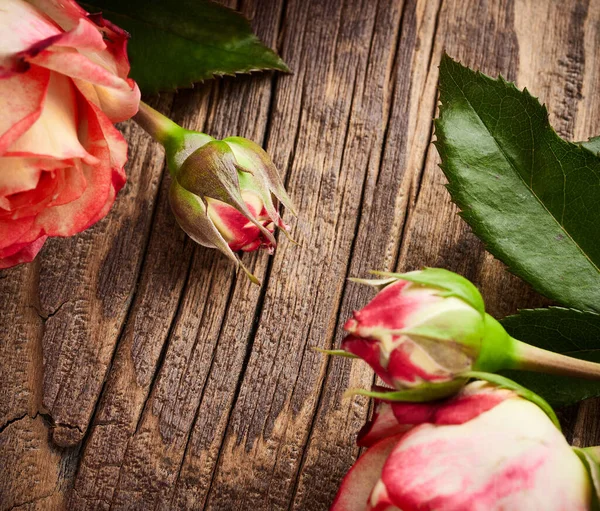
[395,417]
[13,231]
[116,38]
[102,179]
[23,97]
[78,215]
[71,185]
[383,424]
[55,133]
[360,480]
[369,350]
[84,37]
[17,175]
[119,104]
[526,464]
[473,400]
[117,145]
[31,202]
[21,253]
[393,308]
[116,96]
[233,225]
[410,365]
[66,13]
[22,26]
[55,188]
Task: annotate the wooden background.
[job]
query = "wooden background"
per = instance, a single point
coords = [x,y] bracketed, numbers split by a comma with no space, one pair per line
[139,372]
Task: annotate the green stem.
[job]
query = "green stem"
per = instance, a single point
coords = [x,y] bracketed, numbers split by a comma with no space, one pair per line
[535,359]
[161,128]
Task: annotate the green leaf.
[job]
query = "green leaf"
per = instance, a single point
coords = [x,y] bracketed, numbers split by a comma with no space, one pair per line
[525,393]
[176,43]
[531,196]
[567,331]
[336,353]
[593,144]
[451,284]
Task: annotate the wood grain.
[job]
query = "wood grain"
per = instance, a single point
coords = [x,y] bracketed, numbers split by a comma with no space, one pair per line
[140,372]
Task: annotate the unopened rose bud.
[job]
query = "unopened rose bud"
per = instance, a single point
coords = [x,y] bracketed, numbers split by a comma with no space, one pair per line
[426,329]
[224,193]
[484,449]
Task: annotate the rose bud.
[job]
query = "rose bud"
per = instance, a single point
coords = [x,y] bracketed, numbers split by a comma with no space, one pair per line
[224,193]
[425,329]
[63,83]
[486,448]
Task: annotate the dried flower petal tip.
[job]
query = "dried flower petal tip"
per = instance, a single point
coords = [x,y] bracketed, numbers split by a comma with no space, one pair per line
[425,329]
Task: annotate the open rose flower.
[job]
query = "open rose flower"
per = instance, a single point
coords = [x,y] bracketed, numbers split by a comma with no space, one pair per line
[224,193]
[424,330]
[486,449]
[63,83]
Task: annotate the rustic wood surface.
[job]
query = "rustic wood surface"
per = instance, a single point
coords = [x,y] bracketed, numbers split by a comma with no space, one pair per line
[138,371]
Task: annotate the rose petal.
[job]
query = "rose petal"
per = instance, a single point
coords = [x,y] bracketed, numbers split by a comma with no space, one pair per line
[383,424]
[410,365]
[117,97]
[394,417]
[395,307]
[102,182]
[16,175]
[23,97]
[511,457]
[66,13]
[55,133]
[21,253]
[356,486]
[16,231]
[22,27]
[370,351]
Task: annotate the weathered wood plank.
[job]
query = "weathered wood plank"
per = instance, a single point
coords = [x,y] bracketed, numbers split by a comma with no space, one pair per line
[163,277]
[342,120]
[389,186]
[198,324]
[202,390]
[87,294]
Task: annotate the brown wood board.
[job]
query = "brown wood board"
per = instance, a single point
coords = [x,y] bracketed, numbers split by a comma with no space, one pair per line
[140,372]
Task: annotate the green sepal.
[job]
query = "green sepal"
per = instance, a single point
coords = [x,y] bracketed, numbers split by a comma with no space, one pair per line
[589,458]
[422,394]
[504,383]
[182,144]
[497,349]
[378,284]
[252,158]
[450,284]
[336,353]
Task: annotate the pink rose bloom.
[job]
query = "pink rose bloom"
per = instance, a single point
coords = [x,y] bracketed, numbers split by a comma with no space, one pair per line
[486,449]
[63,83]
